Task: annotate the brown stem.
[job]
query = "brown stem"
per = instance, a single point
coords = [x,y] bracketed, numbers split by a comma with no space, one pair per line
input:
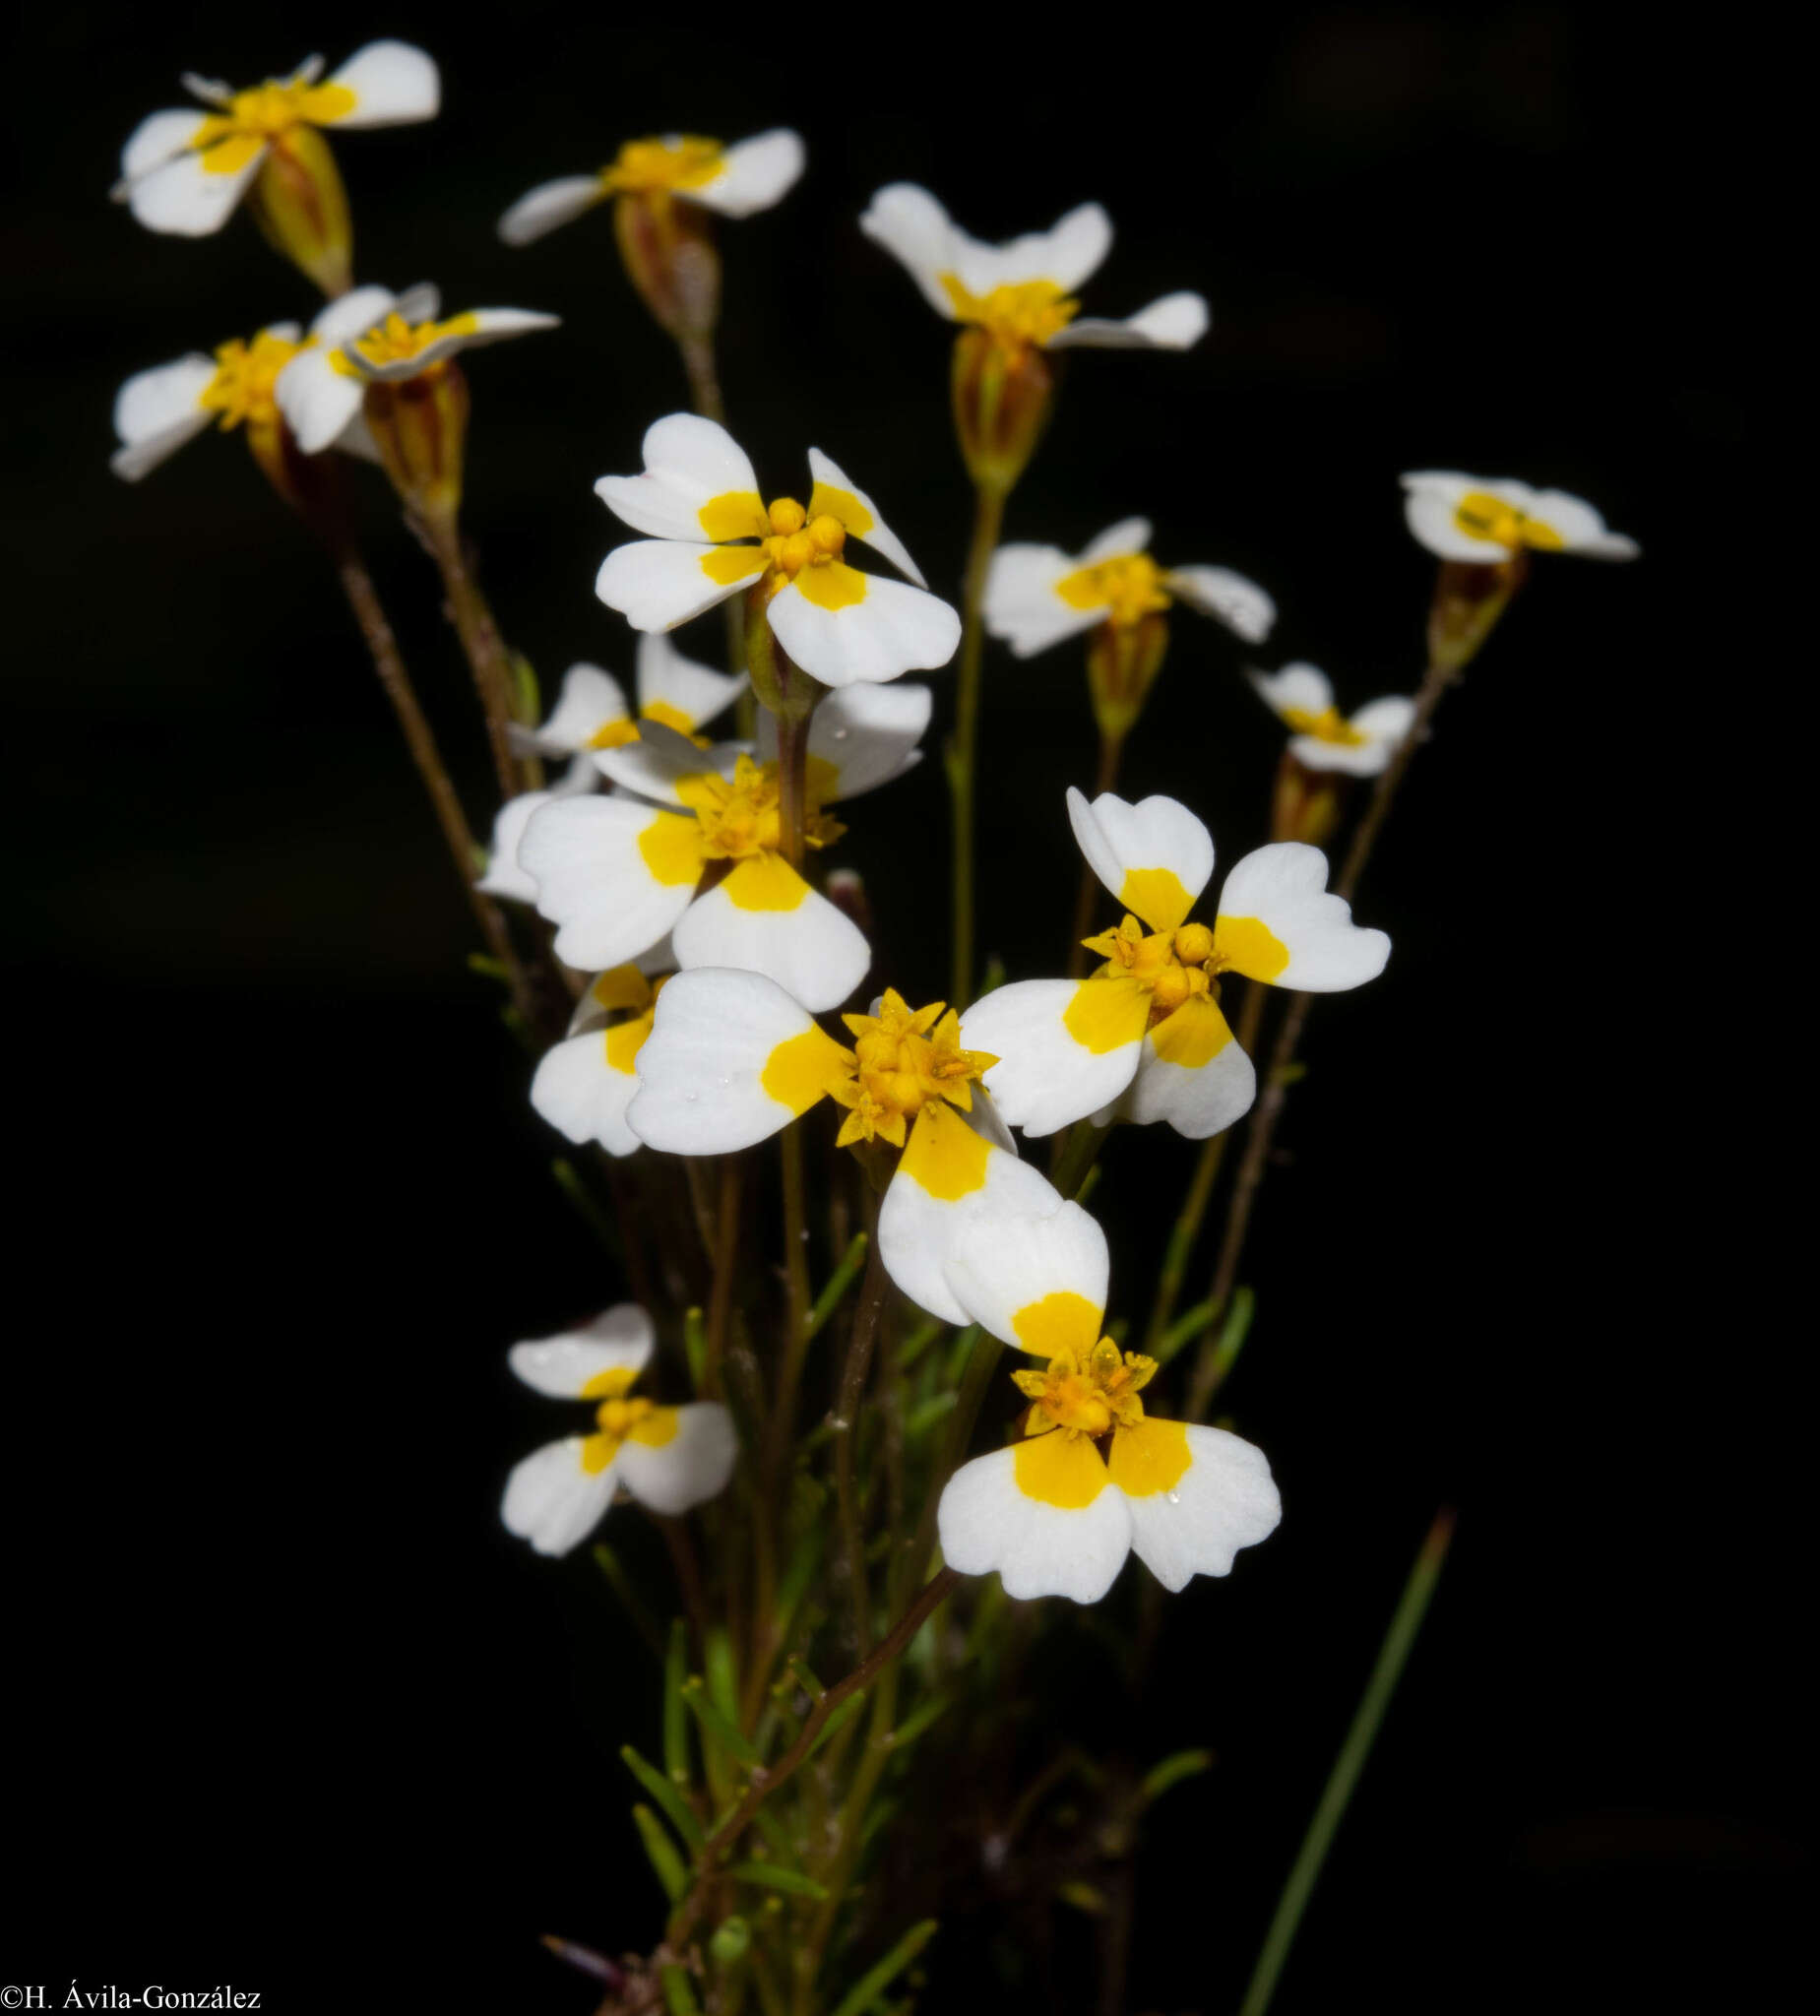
[725,1260]
[482,644]
[766,1778]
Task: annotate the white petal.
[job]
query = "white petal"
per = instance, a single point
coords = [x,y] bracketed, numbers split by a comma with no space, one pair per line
[394,85]
[1229,598]
[478,327]
[504,877]
[867,734]
[657,764]
[689,462]
[1224,1500]
[1067,253]
[1384,721]
[142,456]
[1429,499]
[914,229]
[953,1168]
[618,1340]
[1582,530]
[657,584]
[188,200]
[1044,1078]
[857,512]
[666,678]
[590,699]
[985,1522]
[702,1070]
[895,629]
[754,174]
[813,951]
[1005,1265]
[1136,851]
[151,404]
[552,1501]
[1178,322]
[692,1467]
[549,205]
[1284,887]
[1129,536]
[1300,686]
[353,314]
[1021,604]
[1196,1101]
[581,1094]
[595,881]
[319,403]
[155,140]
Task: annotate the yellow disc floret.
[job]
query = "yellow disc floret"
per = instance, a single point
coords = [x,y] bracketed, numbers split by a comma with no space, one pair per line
[1329,725]
[1093,1398]
[645,166]
[1017,315]
[743,816]
[1128,586]
[245,377]
[228,140]
[903,1059]
[1483,516]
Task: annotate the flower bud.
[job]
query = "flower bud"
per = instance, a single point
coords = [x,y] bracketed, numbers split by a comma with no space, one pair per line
[1123,663]
[1469,600]
[300,205]
[669,257]
[1002,396]
[419,425]
[1305,803]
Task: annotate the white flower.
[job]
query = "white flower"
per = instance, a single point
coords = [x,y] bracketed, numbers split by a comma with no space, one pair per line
[1022,293]
[737,180]
[616,873]
[591,711]
[1323,739]
[504,877]
[584,1083]
[184,172]
[1486,519]
[1144,1039]
[1038,596]
[713,534]
[731,1060]
[322,389]
[1093,1478]
[668,1457]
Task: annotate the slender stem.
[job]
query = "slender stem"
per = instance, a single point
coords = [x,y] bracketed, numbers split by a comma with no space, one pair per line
[704,380]
[725,1260]
[796,1296]
[1104,777]
[1078,1151]
[963,748]
[482,642]
[845,1428]
[981,1364]
[1392,1657]
[766,1778]
[793,785]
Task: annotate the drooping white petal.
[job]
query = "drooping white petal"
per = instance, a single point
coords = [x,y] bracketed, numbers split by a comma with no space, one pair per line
[1317,948]
[665,678]
[1224,1498]
[1580,527]
[156,411]
[394,84]
[1021,605]
[1067,253]
[868,735]
[657,584]
[688,1469]
[1299,688]
[764,918]
[473,329]
[1428,507]
[618,1340]
[590,699]
[1192,1074]
[611,873]
[1178,322]
[1382,723]
[319,403]
[504,876]
[549,205]
[837,493]
[1129,536]
[353,314]
[730,1058]
[754,174]
[892,629]
[1036,1281]
[986,1521]
[157,139]
[1385,721]
[914,227]
[1155,856]
[553,1501]
[583,1094]
[661,760]
[1229,599]
[188,199]
[1046,1076]
[689,461]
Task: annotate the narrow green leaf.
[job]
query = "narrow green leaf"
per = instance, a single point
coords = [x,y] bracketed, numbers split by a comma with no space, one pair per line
[723,1681]
[774,1876]
[643,1622]
[527,701]
[572,1189]
[839,1282]
[675,1709]
[662,1851]
[718,1729]
[865,1991]
[776,1830]
[838,1719]
[959,1353]
[675,1807]
[920,1719]
[695,1345]
[919,1340]
[678,1993]
[1090,1183]
[922,1419]
[1171,1771]
[482,963]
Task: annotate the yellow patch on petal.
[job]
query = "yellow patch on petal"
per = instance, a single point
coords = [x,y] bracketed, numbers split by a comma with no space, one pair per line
[1017,314]
[1482,516]
[1248,945]
[229,155]
[945,1157]
[805,1068]
[667,716]
[1064,1471]
[620,986]
[612,1384]
[1061,1324]
[1149,1456]
[1193,1036]
[836,585]
[829,501]
[725,566]
[1106,1014]
[687,161]
[671,846]
[1329,725]
[1128,587]
[598,1451]
[624,1042]
[734,515]
[656,1427]
[614,734]
[1158,897]
[766,882]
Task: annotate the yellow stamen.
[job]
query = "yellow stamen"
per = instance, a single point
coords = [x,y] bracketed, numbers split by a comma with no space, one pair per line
[905,1060]
[647,166]
[228,140]
[1017,314]
[245,378]
[1129,587]
[1329,725]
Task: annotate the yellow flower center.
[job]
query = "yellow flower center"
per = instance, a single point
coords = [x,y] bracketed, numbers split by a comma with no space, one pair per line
[1016,315]
[1130,587]
[652,164]
[1171,966]
[395,341]
[228,141]
[1090,1399]
[1329,725]
[245,375]
[743,816]
[798,541]
[904,1058]
[1482,516]
[617,1418]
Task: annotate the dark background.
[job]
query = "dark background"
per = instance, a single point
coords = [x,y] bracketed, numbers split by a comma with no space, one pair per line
[288,1708]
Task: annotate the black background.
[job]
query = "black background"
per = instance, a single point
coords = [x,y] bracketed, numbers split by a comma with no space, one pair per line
[288,1707]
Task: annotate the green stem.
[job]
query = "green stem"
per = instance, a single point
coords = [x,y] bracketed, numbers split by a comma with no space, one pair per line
[1392,1657]
[963,748]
